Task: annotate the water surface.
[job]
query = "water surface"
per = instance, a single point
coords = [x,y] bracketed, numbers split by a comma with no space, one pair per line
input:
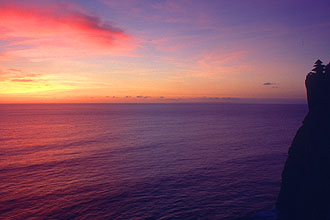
[142,161]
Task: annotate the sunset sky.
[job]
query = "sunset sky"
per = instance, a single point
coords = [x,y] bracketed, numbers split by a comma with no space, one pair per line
[160,51]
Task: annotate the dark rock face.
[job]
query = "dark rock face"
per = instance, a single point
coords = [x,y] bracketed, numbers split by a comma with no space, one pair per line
[305,189]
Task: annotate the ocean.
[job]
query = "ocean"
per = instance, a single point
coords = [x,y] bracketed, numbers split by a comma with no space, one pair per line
[143,161]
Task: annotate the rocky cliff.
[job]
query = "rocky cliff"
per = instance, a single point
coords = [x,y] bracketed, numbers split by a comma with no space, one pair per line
[305,188]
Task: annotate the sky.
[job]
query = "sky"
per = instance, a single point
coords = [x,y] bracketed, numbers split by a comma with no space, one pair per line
[86,51]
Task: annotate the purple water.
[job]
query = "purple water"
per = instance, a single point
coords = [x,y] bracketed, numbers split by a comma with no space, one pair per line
[142,161]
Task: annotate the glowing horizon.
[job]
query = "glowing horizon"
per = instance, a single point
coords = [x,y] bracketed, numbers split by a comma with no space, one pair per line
[57,51]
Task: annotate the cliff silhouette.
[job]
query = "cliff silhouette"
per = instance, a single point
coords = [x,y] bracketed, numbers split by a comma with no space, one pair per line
[305,188]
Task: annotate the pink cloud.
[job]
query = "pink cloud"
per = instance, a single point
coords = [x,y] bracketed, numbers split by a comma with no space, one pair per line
[15,70]
[57,31]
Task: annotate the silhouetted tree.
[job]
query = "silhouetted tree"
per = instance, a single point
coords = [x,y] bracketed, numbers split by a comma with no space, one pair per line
[318,67]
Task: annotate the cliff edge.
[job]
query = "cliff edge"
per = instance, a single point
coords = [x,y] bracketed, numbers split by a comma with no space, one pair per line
[305,188]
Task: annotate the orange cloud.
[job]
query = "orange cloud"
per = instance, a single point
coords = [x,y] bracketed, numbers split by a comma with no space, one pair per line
[56,31]
[17,75]
[22,80]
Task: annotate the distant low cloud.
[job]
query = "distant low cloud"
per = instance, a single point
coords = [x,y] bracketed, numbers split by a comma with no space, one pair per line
[143,97]
[173,99]
[230,99]
[218,99]
[269,84]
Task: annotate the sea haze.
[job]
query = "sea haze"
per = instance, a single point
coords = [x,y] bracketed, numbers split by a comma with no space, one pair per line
[142,161]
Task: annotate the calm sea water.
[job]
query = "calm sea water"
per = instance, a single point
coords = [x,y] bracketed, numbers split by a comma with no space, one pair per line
[142,161]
